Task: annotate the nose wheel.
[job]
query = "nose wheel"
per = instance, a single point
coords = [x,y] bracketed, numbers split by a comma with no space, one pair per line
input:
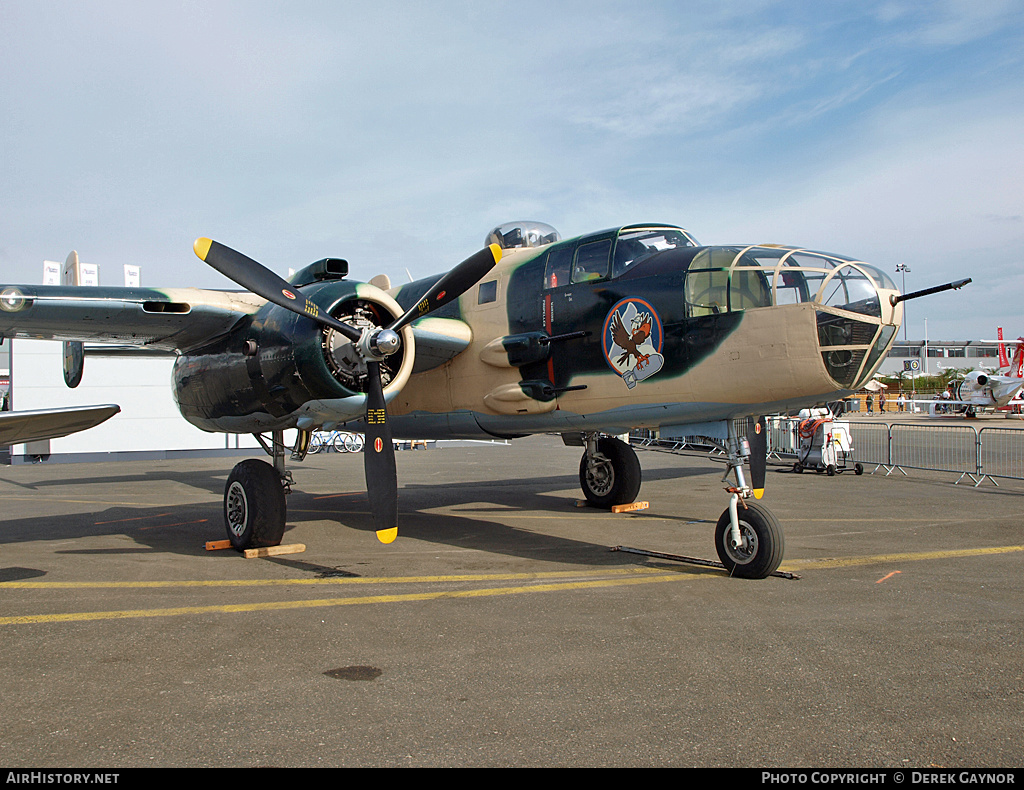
[758,549]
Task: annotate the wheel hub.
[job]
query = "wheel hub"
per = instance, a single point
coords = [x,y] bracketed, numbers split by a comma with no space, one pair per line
[600,476]
[746,550]
[236,509]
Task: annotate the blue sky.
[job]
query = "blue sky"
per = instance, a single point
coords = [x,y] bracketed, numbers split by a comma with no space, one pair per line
[397,134]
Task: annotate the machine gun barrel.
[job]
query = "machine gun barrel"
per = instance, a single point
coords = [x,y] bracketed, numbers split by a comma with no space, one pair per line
[896,299]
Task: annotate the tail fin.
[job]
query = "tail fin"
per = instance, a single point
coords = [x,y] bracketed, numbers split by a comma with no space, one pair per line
[1017,366]
[1004,360]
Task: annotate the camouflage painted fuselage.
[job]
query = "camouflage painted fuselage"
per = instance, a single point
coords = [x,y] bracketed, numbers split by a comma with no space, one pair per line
[630,327]
[694,362]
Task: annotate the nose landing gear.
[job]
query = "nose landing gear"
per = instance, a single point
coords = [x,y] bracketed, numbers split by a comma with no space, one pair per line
[748,537]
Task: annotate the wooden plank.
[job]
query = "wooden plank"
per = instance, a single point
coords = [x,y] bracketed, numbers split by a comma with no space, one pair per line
[217,545]
[630,507]
[273,551]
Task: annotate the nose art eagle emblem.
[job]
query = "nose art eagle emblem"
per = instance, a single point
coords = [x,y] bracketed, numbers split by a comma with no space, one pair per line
[632,341]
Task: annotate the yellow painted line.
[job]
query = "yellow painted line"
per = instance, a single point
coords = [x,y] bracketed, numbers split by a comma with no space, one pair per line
[844,562]
[344,580]
[352,601]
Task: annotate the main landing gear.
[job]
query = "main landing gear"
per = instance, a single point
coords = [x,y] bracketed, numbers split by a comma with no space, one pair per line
[609,471]
[254,497]
[748,537]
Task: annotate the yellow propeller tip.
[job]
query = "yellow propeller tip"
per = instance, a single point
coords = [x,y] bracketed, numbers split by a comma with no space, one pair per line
[387,535]
[495,251]
[202,247]
[758,493]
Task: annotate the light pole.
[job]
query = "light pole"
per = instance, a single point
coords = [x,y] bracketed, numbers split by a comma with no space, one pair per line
[901,268]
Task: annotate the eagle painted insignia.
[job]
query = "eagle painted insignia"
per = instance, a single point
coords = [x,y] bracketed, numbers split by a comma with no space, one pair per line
[632,341]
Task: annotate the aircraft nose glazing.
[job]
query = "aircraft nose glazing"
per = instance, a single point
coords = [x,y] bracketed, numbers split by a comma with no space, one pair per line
[856,321]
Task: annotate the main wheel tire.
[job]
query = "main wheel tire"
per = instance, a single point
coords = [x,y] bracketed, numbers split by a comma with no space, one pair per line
[762,549]
[614,481]
[254,506]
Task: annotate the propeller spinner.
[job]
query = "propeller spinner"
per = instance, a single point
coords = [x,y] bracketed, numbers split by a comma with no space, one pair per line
[373,345]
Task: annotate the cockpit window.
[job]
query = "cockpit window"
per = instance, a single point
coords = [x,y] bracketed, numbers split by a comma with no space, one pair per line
[635,244]
[558,266]
[725,279]
[591,261]
[849,288]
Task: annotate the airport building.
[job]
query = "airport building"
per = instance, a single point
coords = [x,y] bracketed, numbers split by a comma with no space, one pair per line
[931,357]
[148,425]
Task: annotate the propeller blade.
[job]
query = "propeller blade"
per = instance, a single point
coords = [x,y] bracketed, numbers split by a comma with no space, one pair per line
[452,285]
[379,451]
[261,281]
[757,436]
[379,459]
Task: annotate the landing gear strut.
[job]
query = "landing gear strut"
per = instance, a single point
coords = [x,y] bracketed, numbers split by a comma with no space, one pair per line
[254,497]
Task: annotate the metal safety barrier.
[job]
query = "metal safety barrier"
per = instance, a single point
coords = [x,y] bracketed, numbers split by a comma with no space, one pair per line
[980,454]
[1001,453]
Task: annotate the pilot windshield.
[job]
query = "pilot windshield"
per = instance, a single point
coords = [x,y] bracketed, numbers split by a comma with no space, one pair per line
[633,245]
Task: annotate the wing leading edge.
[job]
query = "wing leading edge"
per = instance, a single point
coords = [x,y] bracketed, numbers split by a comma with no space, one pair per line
[175,319]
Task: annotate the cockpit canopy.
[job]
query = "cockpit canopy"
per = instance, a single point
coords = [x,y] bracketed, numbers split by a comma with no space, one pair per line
[513,235]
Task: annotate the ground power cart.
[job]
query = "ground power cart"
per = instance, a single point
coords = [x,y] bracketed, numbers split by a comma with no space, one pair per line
[825,444]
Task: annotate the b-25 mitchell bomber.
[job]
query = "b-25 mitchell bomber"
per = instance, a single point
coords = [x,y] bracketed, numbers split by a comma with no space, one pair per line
[589,337]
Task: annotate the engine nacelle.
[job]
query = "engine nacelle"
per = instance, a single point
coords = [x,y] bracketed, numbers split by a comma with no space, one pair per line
[280,370]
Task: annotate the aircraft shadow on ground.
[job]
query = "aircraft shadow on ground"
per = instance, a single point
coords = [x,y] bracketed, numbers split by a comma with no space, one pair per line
[183,529]
[211,480]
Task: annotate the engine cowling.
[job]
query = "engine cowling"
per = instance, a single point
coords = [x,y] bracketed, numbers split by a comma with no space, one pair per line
[278,369]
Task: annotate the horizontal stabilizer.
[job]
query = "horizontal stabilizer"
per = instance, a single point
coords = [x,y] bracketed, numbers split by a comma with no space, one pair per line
[17,427]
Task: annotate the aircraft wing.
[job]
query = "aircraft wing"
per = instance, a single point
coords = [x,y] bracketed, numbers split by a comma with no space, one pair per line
[175,319]
[17,427]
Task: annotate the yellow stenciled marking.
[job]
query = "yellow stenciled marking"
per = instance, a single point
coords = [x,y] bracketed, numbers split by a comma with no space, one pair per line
[424,306]
[312,309]
[376,416]
[351,601]
[201,246]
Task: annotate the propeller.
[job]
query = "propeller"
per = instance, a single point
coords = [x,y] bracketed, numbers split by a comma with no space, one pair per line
[373,345]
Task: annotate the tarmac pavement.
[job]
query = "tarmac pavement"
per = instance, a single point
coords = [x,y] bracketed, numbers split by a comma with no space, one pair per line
[500,629]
